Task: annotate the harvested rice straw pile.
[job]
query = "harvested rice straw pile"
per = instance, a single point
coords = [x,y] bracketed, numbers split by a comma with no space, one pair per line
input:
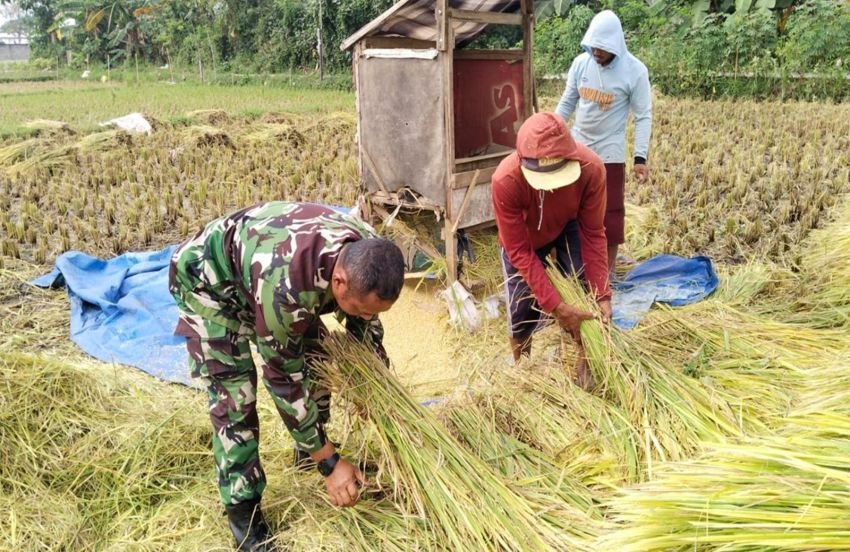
[672,412]
[515,460]
[822,298]
[591,439]
[464,502]
[783,492]
[306,522]
[88,459]
[199,136]
[270,133]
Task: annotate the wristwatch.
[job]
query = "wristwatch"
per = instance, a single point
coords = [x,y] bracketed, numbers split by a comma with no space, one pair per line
[326,466]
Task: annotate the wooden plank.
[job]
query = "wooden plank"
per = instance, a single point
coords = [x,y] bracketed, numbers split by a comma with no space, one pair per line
[497,55]
[373,169]
[417,275]
[471,178]
[441,16]
[528,88]
[466,197]
[355,63]
[479,208]
[487,18]
[481,226]
[485,157]
[401,119]
[484,164]
[374,24]
[449,114]
[396,42]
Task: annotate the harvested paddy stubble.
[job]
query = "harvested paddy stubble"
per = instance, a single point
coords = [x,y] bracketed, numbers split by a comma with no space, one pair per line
[107,192]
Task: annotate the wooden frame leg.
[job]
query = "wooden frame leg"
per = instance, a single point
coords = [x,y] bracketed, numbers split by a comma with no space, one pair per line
[450,239]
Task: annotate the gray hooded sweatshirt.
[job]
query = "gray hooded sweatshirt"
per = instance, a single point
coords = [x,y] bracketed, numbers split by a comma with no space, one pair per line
[602,97]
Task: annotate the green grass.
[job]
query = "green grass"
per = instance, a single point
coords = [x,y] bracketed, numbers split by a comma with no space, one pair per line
[85,104]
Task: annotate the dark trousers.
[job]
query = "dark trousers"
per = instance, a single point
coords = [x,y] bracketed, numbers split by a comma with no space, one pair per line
[524,314]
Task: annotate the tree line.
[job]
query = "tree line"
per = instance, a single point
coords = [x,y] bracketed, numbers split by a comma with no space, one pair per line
[691,46]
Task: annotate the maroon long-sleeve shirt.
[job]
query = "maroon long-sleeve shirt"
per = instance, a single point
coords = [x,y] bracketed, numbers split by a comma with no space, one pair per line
[529,219]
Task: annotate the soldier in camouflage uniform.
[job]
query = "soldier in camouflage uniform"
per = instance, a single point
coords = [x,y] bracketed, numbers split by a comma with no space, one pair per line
[265,274]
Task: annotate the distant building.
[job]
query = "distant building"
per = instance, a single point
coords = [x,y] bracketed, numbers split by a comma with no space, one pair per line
[14,47]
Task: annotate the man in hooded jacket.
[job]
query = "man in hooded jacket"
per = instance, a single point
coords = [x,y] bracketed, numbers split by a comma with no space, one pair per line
[549,201]
[604,84]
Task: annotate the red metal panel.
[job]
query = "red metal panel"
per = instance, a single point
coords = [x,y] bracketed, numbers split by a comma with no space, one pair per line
[488,105]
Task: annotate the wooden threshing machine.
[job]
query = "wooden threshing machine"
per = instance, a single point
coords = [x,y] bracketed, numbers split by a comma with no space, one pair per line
[434,117]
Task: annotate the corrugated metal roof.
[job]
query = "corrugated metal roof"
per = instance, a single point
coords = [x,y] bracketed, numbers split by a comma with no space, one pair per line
[415,19]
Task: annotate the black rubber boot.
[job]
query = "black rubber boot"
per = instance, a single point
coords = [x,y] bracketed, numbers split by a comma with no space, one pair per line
[248,526]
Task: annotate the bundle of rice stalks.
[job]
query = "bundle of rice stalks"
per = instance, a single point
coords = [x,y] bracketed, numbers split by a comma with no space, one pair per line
[209,116]
[303,520]
[200,136]
[751,285]
[783,492]
[487,268]
[333,124]
[530,468]
[42,519]
[825,390]
[36,156]
[752,363]
[672,412]
[590,439]
[720,327]
[643,236]
[463,501]
[11,154]
[104,141]
[276,133]
[45,126]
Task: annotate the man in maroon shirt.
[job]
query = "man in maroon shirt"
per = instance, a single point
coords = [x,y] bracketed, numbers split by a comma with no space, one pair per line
[549,196]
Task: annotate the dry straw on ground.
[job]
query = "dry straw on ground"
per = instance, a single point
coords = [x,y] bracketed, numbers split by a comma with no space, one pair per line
[718,426]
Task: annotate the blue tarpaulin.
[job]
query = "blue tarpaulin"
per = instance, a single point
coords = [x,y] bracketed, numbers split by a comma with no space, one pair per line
[121,310]
[666,279]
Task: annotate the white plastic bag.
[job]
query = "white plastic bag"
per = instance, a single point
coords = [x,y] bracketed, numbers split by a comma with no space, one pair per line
[464,309]
[133,122]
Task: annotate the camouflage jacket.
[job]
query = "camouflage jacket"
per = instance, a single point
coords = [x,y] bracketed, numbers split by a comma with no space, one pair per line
[268,268]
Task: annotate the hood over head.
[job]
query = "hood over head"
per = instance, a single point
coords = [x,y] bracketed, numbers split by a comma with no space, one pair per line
[606,33]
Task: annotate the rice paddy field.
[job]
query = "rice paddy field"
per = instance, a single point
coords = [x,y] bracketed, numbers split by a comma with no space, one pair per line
[724,425]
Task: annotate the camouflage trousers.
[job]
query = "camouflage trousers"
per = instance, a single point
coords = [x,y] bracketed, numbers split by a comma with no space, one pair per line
[222,359]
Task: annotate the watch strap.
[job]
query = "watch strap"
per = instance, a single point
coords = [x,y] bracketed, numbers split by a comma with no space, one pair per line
[326,466]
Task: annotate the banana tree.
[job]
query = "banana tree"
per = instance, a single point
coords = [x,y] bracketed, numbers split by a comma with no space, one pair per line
[117,27]
[702,8]
[549,8]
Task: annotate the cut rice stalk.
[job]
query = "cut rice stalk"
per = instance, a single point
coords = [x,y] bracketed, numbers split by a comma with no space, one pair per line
[465,502]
